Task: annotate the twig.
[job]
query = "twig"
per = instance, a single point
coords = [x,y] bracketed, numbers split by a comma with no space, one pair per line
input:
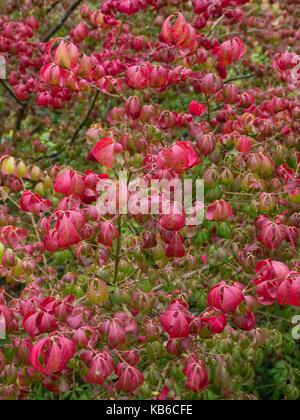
[239,193]
[118,251]
[79,128]
[37,236]
[119,33]
[248,32]
[215,25]
[157,288]
[64,18]
[253,193]
[273,316]
[8,197]
[208,109]
[50,8]
[191,274]
[8,89]
[234,79]
[86,118]
[20,116]
[9,295]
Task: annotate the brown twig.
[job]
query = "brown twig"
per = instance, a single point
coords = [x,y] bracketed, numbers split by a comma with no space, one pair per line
[118,251]
[20,116]
[9,90]
[119,33]
[76,133]
[86,118]
[50,8]
[245,77]
[62,21]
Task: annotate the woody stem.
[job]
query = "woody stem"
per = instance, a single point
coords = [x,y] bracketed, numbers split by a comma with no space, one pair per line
[118,250]
[208,109]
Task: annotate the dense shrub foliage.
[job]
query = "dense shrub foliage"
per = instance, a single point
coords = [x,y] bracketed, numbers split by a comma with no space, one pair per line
[141,306]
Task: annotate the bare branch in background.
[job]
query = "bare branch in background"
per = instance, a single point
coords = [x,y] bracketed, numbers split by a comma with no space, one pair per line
[9,90]
[62,21]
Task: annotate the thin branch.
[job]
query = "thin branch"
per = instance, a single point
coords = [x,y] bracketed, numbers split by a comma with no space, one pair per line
[215,25]
[119,33]
[62,21]
[50,8]
[118,250]
[79,128]
[22,111]
[208,109]
[38,236]
[86,118]
[246,76]
[9,90]
[20,116]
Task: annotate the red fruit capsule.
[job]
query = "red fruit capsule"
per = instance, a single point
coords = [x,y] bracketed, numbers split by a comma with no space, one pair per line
[244,144]
[179,157]
[219,211]
[176,321]
[245,321]
[206,144]
[216,324]
[137,77]
[231,51]
[196,373]
[197,109]
[226,298]
[105,151]
[102,366]
[130,378]
[133,107]
[270,274]
[272,234]
[66,55]
[69,182]
[107,233]
[289,290]
[175,219]
[34,203]
[52,354]
[211,84]
[178,32]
